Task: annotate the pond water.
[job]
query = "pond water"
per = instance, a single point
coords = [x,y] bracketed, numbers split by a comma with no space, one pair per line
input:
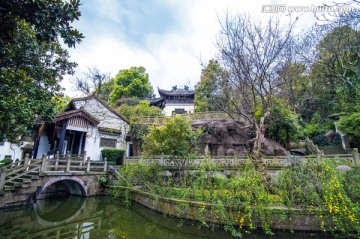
[101,217]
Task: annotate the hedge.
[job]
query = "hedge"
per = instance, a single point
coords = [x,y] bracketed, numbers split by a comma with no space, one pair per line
[113,155]
[5,161]
[321,140]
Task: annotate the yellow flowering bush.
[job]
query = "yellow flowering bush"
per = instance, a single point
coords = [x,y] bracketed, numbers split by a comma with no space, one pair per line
[318,184]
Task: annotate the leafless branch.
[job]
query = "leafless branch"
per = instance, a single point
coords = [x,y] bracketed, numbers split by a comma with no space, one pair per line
[91,81]
[254,55]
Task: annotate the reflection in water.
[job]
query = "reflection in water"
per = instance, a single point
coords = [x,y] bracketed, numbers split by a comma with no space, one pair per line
[58,211]
[76,217]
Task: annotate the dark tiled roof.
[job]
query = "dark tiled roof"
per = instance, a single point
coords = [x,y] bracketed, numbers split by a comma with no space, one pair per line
[178,92]
[154,100]
[179,101]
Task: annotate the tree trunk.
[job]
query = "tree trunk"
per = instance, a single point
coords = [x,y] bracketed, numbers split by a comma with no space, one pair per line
[258,142]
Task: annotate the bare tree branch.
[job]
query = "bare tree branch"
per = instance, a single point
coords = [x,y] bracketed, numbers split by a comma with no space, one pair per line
[91,82]
[254,55]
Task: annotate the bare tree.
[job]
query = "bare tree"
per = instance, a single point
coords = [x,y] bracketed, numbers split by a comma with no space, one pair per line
[254,55]
[345,12]
[91,82]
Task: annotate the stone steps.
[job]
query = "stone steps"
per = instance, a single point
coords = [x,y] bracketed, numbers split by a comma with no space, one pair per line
[24,181]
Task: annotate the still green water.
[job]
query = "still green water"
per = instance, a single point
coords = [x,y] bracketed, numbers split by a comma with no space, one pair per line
[97,217]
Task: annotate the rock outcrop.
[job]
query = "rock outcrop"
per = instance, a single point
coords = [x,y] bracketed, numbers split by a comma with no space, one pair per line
[230,138]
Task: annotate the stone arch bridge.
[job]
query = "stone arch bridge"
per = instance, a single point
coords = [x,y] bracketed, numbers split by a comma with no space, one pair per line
[26,181]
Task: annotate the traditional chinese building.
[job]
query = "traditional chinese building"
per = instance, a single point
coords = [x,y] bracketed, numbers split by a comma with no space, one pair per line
[178,101]
[88,124]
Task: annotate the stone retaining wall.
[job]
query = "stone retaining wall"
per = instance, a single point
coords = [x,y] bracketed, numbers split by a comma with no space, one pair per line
[295,219]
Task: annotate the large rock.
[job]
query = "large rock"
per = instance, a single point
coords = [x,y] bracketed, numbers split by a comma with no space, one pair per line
[273,148]
[230,138]
[330,135]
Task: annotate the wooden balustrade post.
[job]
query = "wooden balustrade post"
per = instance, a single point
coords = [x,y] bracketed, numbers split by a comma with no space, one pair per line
[2,178]
[57,156]
[356,157]
[236,161]
[105,164]
[13,164]
[16,163]
[99,224]
[88,165]
[43,163]
[26,161]
[68,163]
[83,161]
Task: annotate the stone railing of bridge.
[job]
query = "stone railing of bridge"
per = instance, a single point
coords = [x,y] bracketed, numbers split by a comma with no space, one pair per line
[312,147]
[210,115]
[233,162]
[23,171]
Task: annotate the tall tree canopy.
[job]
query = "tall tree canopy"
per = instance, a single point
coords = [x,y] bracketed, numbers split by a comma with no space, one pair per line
[32,61]
[49,19]
[209,89]
[133,82]
[330,83]
[335,74]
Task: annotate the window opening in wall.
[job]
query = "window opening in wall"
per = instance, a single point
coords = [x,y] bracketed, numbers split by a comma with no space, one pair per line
[179,112]
[109,143]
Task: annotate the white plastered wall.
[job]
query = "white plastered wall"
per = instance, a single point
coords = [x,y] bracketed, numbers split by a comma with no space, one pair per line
[92,144]
[13,150]
[43,147]
[169,108]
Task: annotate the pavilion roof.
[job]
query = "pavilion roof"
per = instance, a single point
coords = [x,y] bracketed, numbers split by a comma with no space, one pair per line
[177,92]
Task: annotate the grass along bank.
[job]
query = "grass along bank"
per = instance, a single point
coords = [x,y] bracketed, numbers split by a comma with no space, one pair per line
[243,201]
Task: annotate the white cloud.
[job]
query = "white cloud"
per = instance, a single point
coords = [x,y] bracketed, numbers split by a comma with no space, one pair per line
[170,55]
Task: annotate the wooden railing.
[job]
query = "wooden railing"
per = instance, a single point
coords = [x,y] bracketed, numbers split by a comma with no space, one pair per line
[211,115]
[66,164]
[237,161]
[72,163]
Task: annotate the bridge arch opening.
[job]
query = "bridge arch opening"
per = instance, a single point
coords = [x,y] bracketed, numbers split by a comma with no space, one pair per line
[62,187]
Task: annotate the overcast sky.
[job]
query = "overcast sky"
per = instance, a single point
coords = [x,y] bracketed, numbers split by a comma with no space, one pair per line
[167,37]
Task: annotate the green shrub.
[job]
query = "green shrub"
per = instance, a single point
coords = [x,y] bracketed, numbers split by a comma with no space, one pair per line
[318,125]
[113,155]
[337,139]
[321,140]
[139,174]
[351,184]
[5,161]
